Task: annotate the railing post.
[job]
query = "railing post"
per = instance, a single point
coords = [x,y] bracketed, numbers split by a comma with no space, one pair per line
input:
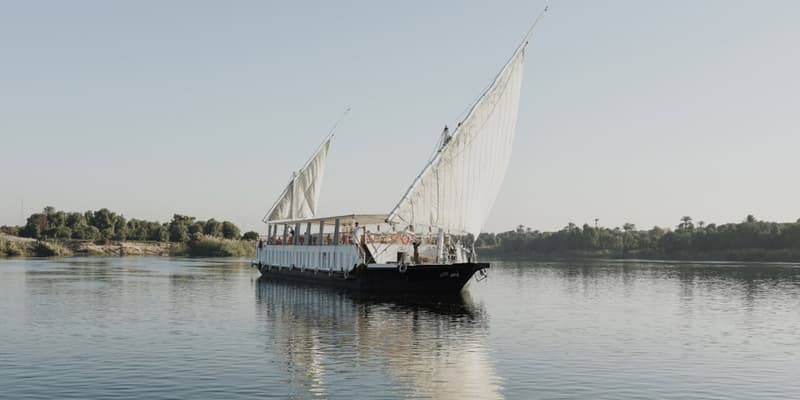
[308,234]
[285,234]
[296,234]
[440,246]
[321,239]
[336,228]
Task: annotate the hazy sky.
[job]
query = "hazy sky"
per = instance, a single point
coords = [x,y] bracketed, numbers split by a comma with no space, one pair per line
[632,111]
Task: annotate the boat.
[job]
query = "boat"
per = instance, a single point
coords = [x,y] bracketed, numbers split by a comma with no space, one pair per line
[424,244]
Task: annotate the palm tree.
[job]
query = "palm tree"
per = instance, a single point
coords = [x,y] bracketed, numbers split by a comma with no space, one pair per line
[686,223]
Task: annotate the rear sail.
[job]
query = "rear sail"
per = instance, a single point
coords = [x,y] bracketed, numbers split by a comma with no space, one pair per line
[458,187]
[300,198]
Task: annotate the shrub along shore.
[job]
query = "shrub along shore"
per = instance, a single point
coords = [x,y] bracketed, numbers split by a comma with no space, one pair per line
[102,232]
[204,247]
[749,240]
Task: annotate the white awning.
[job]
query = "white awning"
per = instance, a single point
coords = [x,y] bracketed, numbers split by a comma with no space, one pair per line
[349,219]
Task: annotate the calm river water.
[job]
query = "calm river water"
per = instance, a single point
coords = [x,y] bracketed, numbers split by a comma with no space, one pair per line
[155,328]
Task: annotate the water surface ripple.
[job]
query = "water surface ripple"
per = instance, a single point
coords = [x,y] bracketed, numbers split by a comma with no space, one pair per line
[126,328]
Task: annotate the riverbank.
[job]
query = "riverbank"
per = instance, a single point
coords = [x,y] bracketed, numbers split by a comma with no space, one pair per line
[13,246]
[740,255]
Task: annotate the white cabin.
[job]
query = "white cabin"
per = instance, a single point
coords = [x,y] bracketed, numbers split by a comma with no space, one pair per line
[339,244]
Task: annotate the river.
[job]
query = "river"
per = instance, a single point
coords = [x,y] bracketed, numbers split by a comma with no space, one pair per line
[158,328]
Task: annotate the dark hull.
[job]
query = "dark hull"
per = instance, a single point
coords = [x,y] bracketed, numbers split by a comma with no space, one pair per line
[448,278]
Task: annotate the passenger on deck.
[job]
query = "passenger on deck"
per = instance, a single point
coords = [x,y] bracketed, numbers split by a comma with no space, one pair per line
[357,233]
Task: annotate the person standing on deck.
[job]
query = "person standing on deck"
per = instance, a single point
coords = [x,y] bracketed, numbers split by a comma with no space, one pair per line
[357,233]
[445,137]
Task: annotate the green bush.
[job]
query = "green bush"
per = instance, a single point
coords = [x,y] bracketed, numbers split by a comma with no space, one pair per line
[10,248]
[47,249]
[215,247]
[10,230]
[230,231]
[250,235]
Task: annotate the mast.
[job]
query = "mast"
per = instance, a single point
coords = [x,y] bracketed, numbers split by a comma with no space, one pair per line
[291,193]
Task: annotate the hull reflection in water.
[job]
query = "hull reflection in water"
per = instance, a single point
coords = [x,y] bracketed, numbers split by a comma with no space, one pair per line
[434,347]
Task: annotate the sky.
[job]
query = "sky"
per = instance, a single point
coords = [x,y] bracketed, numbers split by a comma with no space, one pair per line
[631,111]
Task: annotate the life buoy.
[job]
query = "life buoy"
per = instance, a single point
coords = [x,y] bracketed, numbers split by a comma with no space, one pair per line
[402,268]
[405,239]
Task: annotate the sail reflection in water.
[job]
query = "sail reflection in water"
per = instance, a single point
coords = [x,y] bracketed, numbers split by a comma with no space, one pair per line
[333,341]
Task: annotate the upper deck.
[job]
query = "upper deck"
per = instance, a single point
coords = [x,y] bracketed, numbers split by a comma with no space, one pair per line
[368,236]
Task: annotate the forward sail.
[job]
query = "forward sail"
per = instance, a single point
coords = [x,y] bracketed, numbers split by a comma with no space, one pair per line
[300,198]
[458,187]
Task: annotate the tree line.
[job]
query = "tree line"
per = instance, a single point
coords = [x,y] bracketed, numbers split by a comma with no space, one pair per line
[687,239]
[106,225]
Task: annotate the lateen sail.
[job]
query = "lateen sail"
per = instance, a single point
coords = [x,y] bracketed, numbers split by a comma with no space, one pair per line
[457,189]
[299,199]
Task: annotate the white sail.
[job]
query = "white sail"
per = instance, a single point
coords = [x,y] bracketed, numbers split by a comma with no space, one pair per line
[457,189]
[299,199]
